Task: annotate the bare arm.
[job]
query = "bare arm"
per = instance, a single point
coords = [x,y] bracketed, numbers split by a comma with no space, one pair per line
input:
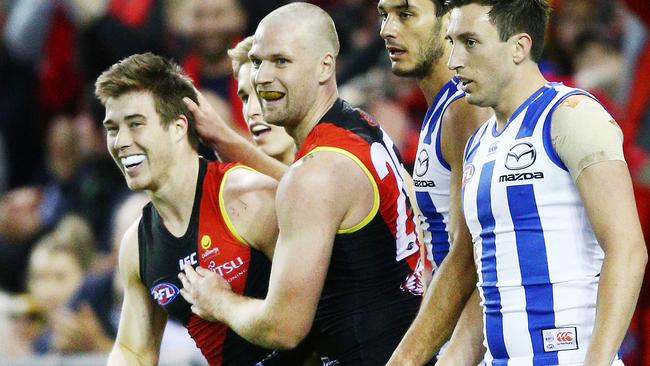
[141,322]
[229,145]
[249,197]
[606,190]
[456,278]
[311,206]
[466,344]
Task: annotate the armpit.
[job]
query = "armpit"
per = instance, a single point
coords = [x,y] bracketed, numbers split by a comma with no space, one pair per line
[583,133]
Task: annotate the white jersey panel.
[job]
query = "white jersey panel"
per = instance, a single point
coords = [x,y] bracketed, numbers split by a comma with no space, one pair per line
[537,257]
[432,174]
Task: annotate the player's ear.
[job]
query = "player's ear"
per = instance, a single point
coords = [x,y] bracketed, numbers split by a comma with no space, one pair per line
[180,127]
[326,68]
[521,45]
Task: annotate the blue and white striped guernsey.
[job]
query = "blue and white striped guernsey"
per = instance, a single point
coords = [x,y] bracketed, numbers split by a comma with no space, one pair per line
[431,176]
[537,258]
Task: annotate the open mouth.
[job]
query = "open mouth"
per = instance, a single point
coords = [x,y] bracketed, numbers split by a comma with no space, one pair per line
[132,161]
[395,51]
[270,95]
[259,129]
[464,82]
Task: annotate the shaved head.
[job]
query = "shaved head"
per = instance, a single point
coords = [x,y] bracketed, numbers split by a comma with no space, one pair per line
[294,64]
[312,23]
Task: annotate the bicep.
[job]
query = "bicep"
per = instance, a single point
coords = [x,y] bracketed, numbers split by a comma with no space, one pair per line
[141,322]
[250,204]
[310,209]
[459,123]
[606,191]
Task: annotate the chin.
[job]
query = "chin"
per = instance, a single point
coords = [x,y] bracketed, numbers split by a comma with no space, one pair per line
[402,71]
[134,185]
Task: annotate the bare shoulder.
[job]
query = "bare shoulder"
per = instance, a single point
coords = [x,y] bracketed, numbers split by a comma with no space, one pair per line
[129,256]
[462,118]
[329,177]
[242,180]
[324,169]
[459,122]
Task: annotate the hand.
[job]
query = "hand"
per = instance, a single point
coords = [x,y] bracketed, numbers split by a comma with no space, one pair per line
[79,331]
[210,126]
[204,289]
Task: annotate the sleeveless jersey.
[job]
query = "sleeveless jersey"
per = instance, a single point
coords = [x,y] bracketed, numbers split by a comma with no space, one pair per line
[210,242]
[537,258]
[369,296]
[432,175]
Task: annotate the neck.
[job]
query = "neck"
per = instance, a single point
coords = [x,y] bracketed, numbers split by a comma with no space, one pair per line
[174,199]
[439,74]
[324,102]
[525,82]
[287,157]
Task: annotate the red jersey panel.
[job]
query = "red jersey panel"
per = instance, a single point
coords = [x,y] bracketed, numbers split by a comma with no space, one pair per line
[210,243]
[370,295]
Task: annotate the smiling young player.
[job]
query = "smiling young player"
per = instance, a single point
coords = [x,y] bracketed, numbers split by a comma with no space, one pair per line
[219,216]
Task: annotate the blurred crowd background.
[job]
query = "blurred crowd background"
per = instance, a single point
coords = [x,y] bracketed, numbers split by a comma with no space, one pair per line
[63,202]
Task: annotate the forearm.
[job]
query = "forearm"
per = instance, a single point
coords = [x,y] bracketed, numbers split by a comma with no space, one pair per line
[250,319]
[231,146]
[618,291]
[122,355]
[449,291]
[466,344]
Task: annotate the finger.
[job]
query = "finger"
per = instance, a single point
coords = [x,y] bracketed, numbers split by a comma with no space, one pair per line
[186,283]
[187,296]
[190,273]
[201,98]
[189,103]
[203,272]
[196,310]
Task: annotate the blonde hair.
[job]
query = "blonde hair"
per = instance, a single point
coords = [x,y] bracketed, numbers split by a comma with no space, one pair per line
[239,54]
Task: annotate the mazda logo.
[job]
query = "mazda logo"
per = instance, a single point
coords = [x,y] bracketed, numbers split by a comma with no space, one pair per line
[521,156]
[422,164]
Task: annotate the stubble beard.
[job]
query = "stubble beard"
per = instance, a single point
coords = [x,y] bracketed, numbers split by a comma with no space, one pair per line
[428,55]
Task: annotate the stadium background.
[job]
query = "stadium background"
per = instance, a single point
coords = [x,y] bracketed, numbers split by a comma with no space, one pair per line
[60,192]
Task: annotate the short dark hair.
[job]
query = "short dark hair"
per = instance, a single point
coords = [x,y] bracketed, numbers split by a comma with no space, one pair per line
[440,5]
[516,16]
[162,77]
[441,8]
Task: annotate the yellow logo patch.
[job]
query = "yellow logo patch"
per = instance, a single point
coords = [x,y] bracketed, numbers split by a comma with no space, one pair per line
[206,242]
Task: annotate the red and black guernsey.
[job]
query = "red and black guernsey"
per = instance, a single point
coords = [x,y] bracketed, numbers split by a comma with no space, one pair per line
[372,289]
[211,242]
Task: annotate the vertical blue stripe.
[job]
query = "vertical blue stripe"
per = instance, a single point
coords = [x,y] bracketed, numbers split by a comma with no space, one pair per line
[427,118]
[519,109]
[437,227]
[534,111]
[441,158]
[533,265]
[472,150]
[445,92]
[493,315]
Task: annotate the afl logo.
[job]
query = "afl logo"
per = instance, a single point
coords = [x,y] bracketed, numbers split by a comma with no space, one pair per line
[521,156]
[468,173]
[206,242]
[422,164]
[164,293]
